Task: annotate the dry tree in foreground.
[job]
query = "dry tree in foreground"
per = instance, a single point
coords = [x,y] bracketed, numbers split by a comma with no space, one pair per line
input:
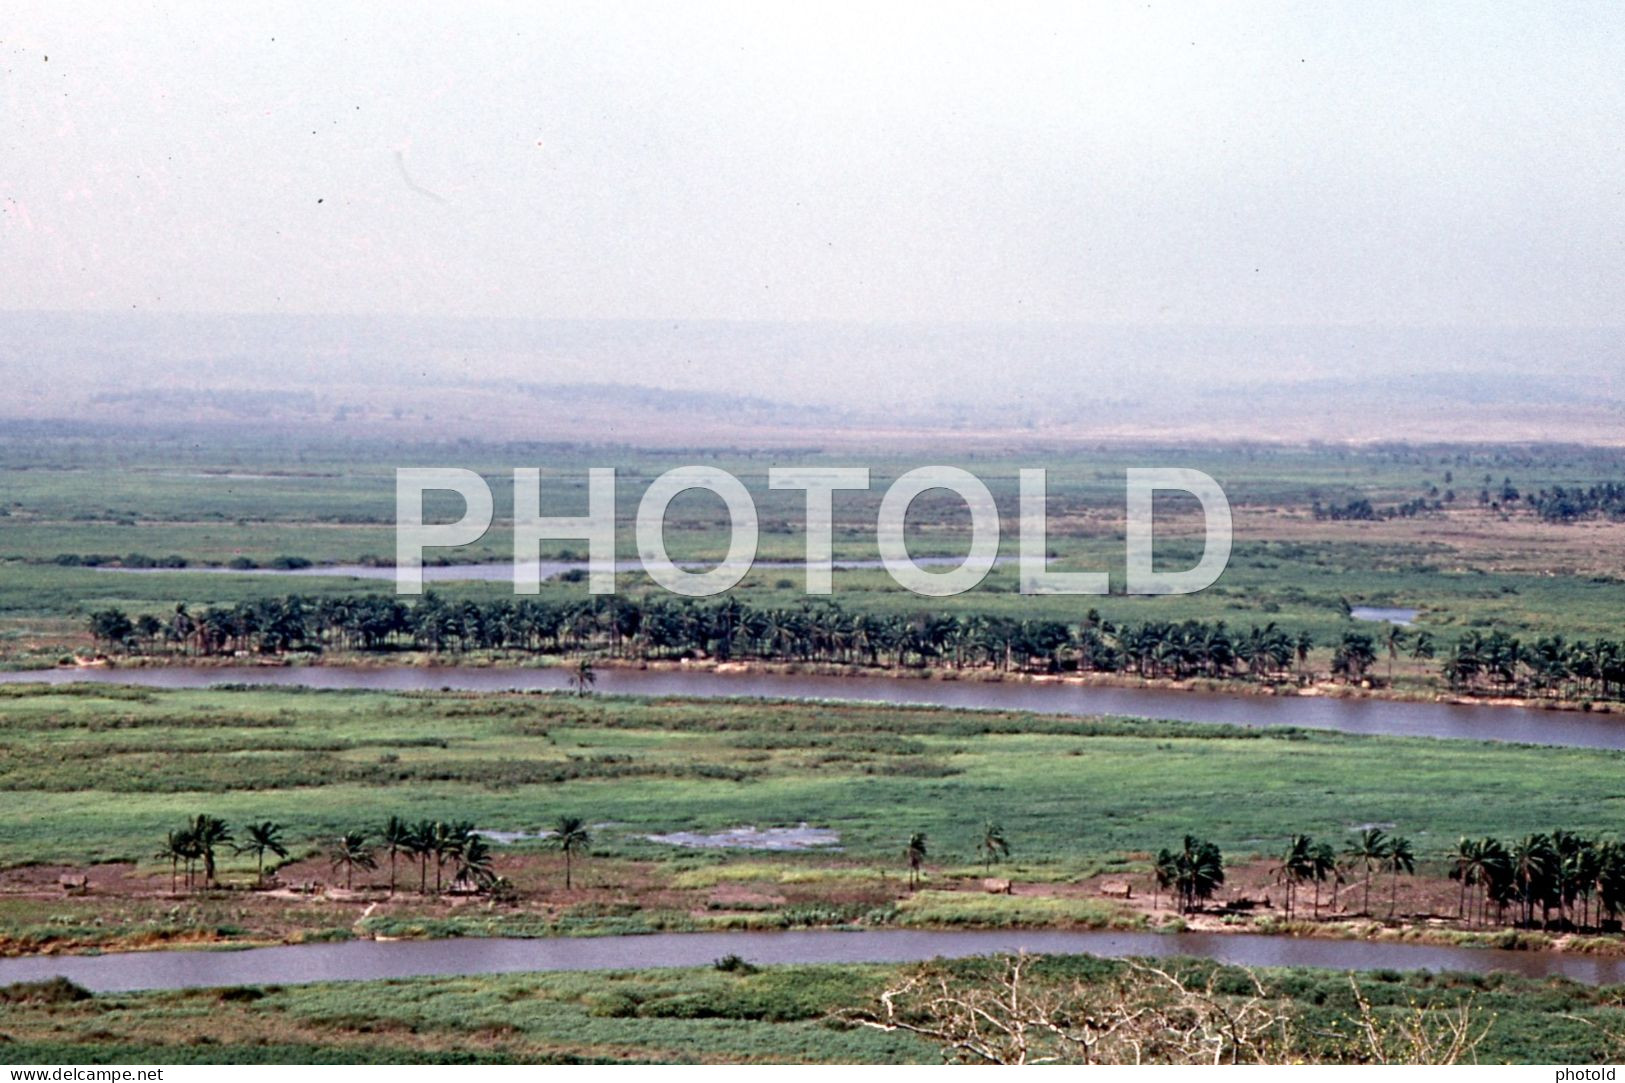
[1143,1014]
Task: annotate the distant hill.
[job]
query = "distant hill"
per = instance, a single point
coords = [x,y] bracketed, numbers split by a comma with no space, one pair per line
[662,381]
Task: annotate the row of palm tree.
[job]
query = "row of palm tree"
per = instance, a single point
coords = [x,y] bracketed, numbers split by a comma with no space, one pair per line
[1582,879]
[659,628]
[1551,666]
[1305,861]
[456,846]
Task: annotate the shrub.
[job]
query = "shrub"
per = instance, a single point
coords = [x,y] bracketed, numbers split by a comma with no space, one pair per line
[51,991]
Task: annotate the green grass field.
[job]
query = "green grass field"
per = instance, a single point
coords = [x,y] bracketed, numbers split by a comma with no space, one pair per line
[99,773]
[243,498]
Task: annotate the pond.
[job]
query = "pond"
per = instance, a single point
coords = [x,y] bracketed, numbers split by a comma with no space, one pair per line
[1385,614]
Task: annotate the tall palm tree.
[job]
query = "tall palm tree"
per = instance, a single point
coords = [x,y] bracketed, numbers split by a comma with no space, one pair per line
[1534,867]
[474,863]
[176,849]
[207,833]
[1400,859]
[350,850]
[1465,866]
[916,854]
[1165,874]
[447,842]
[583,676]
[1293,867]
[1393,641]
[570,837]
[993,844]
[1323,867]
[397,838]
[421,846]
[1495,874]
[1368,851]
[1302,644]
[1201,871]
[1422,646]
[260,838]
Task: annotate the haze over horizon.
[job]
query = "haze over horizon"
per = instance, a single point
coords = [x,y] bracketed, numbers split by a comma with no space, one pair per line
[1040,212]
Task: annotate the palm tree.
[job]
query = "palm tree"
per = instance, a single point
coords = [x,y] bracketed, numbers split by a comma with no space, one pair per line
[208,832]
[447,842]
[1465,866]
[176,848]
[916,854]
[1302,644]
[583,676]
[1422,646]
[1400,859]
[993,844]
[1393,641]
[570,837]
[262,837]
[1353,656]
[397,838]
[1323,867]
[474,863]
[1294,866]
[1495,873]
[1200,869]
[1165,875]
[1368,851]
[421,845]
[350,850]
[1534,867]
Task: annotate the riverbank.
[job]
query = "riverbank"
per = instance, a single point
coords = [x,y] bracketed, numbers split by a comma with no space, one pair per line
[1414,690]
[716,1011]
[123,907]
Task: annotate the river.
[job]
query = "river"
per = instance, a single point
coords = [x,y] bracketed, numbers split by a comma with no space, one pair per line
[364,960]
[1365,716]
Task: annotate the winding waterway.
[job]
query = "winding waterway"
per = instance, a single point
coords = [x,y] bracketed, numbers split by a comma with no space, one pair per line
[1367,716]
[361,960]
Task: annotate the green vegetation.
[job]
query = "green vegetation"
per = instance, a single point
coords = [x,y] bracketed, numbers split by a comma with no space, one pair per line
[660,629]
[153,557]
[98,772]
[76,506]
[778,1014]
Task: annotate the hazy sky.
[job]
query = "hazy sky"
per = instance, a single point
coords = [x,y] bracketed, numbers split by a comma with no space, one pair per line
[1233,163]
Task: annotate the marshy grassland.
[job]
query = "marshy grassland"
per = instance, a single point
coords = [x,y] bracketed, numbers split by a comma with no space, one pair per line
[74,506]
[93,777]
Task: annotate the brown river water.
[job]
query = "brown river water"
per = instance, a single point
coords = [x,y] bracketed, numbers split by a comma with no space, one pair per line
[1367,716]
[360,960]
